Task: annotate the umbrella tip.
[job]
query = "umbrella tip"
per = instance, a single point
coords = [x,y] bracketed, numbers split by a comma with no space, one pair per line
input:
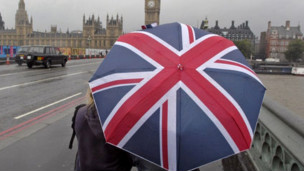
[144,27]
[180,67]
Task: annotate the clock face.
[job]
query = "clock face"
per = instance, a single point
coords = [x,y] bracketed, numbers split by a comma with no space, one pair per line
[151,4]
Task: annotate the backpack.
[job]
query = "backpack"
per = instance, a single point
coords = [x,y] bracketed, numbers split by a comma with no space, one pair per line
[73,124]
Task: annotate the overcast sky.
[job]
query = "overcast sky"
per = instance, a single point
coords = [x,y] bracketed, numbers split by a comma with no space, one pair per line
[68,13]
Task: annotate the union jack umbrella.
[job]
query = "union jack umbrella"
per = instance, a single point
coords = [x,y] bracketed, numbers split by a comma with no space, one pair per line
[177,96]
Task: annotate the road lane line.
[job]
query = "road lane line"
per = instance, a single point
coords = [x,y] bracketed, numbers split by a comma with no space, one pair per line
[36,110]
[31,122]
[60,108]
[82,65]
[39,81]
[69,66]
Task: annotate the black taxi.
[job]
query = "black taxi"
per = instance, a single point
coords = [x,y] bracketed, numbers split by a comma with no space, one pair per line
[45,55]
[22,54]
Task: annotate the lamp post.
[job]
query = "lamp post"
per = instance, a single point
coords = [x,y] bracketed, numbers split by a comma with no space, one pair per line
[89,41]
[89,44]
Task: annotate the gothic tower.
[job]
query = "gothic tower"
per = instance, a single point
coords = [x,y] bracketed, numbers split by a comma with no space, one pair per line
[152,10]
[91,28]
[23,25]
[1,23]
[114,29]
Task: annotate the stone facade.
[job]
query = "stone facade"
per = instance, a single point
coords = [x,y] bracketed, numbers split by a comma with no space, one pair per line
[277,39]
[92,36]
[152,11]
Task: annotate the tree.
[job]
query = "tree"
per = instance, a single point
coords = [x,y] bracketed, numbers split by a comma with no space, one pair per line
[245,47]
[295,50]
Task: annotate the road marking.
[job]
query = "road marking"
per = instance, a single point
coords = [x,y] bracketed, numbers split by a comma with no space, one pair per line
[3,75]
[36,110]
[24,125]
[82,65]
[22,71]
[39,81]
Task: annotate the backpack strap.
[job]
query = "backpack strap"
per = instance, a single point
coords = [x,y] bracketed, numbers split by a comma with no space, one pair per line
[73,124]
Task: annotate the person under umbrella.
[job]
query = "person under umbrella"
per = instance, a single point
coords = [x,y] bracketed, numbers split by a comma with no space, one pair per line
[177,96]
[93,152]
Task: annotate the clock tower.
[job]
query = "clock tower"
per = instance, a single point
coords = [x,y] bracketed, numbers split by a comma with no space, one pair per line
[152,10]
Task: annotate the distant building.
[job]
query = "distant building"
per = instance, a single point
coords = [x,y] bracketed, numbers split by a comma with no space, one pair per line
[93,34]
[241,32]
[263,44]
[277,39]
[1,23]
[205,25]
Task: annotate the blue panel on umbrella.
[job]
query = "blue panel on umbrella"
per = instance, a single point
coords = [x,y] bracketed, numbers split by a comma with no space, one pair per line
[122,60]
[168,32]
[200,33]
[105,101]
[145,142]
[197,146]
[247,92]
[237,56]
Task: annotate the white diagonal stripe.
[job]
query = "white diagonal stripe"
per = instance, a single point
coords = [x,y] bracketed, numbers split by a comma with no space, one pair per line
[139,53]
[146,116]
[215,121]
[120,76]
[221,66]
[231,99]
[216,57]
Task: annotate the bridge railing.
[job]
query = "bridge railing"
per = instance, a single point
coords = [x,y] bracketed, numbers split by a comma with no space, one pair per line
[278,143]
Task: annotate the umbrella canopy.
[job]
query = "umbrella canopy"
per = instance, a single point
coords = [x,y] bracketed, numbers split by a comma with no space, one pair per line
[177,96]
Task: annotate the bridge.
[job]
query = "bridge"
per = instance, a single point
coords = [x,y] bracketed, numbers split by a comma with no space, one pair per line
[278,143]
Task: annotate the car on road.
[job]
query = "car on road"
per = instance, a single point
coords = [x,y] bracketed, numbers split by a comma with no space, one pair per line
[21,55]
[46,56]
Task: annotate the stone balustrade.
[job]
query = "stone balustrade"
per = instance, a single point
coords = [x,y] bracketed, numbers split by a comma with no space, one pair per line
[278,143]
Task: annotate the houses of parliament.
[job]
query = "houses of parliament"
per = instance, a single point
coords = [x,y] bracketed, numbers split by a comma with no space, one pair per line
[92,36]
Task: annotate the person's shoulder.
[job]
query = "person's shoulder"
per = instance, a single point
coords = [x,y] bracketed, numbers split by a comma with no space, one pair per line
[80,112]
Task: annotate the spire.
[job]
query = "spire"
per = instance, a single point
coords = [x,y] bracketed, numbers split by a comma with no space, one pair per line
[216,25]
[1,23]
[232,25]
[21,4]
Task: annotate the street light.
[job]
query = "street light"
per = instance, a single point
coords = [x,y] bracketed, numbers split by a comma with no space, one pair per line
[89,41]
